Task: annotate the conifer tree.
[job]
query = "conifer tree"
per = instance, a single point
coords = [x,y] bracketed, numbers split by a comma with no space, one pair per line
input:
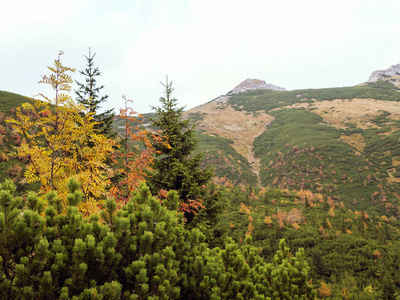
[88,95]
[140,251]
[177,167]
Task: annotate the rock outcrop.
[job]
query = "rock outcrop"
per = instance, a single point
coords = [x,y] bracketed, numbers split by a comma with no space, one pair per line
[385,74]
[254,84]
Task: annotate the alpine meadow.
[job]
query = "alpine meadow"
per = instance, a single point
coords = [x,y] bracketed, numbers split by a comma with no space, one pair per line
[261,193]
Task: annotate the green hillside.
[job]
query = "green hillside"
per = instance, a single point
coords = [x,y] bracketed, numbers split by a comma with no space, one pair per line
[302,150]
[355,254]
[10,167]
[267,100]
[320,190]
[9,101]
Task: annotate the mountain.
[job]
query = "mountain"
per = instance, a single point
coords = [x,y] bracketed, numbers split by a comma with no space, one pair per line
[319,168]
[339,142]
[254,84]
[391,74]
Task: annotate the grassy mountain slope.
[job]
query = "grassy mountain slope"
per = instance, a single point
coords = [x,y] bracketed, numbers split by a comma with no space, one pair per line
[10,167]
[340,142]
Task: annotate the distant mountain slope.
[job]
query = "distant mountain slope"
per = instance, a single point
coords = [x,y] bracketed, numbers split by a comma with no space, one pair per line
[9,101]
[340,142]
[10,167]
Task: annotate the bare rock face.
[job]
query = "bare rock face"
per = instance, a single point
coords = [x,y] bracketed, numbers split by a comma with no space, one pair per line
[385,74]
[254,84]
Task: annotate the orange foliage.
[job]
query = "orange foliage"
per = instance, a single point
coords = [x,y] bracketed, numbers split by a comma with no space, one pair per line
[163,193]
[244,209]
[3,157]
[136,166]
[377,254]
[14,171]
[323,232]
[250,229]
[389,206]
[192,207]
[324,290]
[253,196]
[281,217]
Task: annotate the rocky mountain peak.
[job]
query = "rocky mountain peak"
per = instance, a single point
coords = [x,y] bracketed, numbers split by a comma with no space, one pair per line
[255,84]
[385,74]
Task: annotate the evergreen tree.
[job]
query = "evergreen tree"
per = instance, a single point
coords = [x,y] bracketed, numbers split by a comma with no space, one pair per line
[88,96]
[176,167]
[140,251]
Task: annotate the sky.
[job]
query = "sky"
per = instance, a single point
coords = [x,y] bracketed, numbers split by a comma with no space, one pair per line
[205,47]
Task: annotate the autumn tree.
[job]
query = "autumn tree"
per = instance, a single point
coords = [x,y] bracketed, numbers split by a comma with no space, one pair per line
[59,142]
[176,166]
[133,161]
[89,96]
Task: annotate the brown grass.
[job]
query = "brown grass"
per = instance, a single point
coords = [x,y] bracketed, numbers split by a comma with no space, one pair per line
[240,127]
[359,111]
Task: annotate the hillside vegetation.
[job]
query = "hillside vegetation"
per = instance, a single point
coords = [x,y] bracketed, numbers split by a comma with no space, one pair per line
[340,142]
[317,170]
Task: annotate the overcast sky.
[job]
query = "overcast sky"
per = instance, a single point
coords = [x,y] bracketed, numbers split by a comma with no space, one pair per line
[206,47]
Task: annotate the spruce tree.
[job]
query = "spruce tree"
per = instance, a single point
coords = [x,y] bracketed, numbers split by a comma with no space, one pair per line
[177,167]
[88,95]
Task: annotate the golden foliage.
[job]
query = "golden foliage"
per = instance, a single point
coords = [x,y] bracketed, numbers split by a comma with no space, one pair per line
[331,212]
[329,223]
[268,220]
[250,229]
[61,142]
[324,290]
[296,226]
[244,209]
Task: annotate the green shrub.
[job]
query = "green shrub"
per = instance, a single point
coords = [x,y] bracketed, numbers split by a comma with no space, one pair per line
[139,251]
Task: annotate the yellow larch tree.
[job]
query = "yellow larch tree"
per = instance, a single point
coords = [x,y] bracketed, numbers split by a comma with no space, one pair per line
[60,142]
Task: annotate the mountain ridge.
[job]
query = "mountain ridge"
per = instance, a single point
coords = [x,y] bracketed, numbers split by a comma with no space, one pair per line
[336,141]
[254,84]
[340,142]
